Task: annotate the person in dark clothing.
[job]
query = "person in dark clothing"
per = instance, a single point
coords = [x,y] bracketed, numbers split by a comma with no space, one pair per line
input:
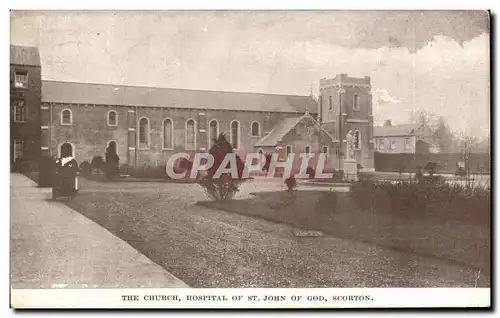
[66,177]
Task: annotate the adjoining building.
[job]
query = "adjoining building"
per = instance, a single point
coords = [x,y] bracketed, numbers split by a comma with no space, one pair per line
[408,138]
[25,97]
[149,124]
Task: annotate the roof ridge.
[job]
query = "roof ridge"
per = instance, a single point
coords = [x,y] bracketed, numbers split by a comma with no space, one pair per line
[176,88]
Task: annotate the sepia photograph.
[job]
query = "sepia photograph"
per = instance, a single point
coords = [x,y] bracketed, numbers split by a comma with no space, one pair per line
[251,159]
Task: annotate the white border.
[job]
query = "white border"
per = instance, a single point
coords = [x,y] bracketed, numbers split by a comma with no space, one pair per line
[197,4]
[240,298]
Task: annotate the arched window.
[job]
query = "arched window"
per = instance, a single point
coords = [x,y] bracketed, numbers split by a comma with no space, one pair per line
[235,134]
[357,140]
[112,118]
[66,149]
[255,129]
[261,152]
[143,133]
[190,135]
[168,134]
[111,146]
[213,130]
[66,117]
[355,102]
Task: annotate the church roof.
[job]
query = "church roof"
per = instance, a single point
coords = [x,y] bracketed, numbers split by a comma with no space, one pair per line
[105,94]
[281,129]
[24,55]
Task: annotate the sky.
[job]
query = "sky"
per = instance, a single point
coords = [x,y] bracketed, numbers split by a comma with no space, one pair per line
[436,61]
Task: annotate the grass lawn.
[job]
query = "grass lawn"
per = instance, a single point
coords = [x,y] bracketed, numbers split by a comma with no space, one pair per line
[335,213]
[210,248]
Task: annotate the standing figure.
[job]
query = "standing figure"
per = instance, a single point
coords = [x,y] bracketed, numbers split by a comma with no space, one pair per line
[66,181]
[350,145]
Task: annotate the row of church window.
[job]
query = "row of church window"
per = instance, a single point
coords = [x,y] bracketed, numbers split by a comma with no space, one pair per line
[168,130]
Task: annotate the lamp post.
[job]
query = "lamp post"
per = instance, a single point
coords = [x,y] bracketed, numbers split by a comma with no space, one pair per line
[340,133]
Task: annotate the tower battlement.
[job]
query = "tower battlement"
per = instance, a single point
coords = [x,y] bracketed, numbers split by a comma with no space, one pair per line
[345,80]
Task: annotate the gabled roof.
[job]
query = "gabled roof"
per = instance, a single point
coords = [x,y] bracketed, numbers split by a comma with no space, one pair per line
[104,94]
[282,128]
[24,55]
[395,130]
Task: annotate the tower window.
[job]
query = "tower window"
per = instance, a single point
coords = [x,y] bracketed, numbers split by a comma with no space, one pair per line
[330,105]
[357,140]
[355,102]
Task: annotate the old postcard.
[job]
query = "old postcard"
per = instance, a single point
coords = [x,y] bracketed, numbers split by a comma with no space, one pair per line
[250,159]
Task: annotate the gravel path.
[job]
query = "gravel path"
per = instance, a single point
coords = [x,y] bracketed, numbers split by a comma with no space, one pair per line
[210,248]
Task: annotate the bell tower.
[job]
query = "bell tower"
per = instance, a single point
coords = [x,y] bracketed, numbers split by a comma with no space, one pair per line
[345,106]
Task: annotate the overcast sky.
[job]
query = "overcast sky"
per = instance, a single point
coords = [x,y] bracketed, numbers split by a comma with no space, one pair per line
[437,61]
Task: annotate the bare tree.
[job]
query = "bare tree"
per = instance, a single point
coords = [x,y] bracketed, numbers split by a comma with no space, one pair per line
[467,144]
[423,117]
[444,137]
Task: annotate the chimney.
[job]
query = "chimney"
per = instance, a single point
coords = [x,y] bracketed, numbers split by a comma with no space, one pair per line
[387,123]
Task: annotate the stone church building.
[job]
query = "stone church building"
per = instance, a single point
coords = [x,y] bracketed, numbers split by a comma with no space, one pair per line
[148,124]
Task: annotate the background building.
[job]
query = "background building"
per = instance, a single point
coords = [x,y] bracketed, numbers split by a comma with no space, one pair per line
[25,94]
[345,105]
[408,138]
[146,125]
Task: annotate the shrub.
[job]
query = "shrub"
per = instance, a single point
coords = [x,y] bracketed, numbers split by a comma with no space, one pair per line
[311,172]
[439,200]
[338,175]
[125,169]
[85,168]
[112,165]
[97,163]
[223,187]
[148,172]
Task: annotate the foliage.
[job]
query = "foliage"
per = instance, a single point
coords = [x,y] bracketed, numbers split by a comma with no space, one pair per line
[158,172]
[430,197]
[85,168]
[223,187]
[112,165]
[291,183]
[97,163]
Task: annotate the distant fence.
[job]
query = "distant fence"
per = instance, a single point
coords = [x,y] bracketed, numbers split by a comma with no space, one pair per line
[446,162]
